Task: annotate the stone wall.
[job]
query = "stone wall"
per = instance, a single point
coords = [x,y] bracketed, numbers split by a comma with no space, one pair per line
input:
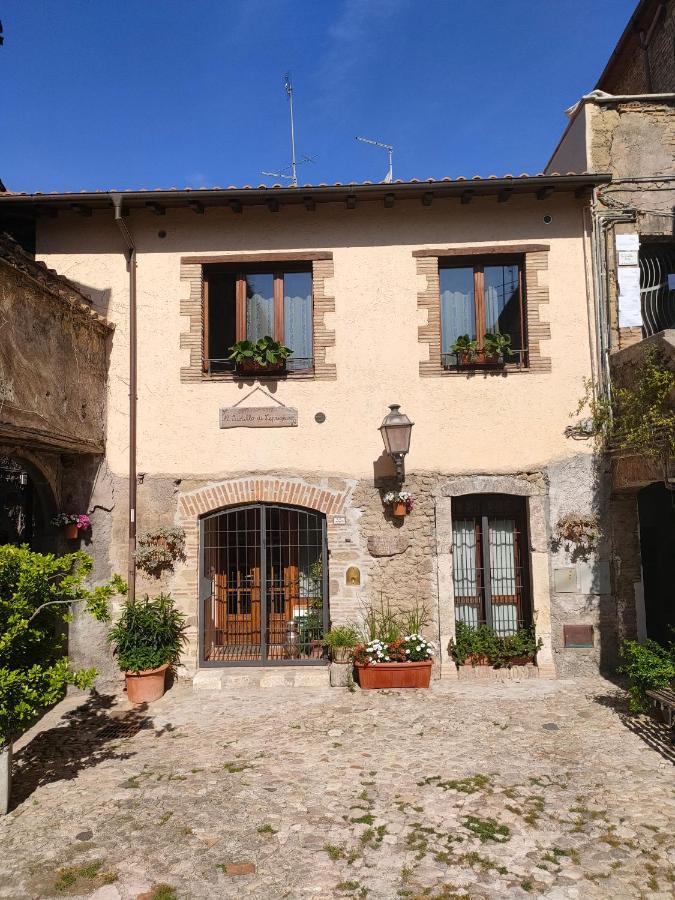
[400,561]
[52,359]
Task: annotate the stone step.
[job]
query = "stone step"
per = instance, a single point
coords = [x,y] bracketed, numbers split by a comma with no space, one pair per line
[235,677]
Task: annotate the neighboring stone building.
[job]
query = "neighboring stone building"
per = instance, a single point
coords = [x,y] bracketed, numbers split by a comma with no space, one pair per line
[630,133]
[53,362]
[278,483]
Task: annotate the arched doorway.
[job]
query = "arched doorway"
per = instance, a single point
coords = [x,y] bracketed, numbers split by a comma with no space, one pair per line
[26,505]
[263,578]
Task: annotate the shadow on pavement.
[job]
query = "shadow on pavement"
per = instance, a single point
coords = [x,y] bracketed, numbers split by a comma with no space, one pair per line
[85,737]
[656,734]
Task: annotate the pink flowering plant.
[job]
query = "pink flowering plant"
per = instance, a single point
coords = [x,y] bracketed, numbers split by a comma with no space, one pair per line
[82,520]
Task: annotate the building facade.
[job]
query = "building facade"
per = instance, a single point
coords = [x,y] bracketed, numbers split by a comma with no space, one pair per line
[626,127]
[278,482]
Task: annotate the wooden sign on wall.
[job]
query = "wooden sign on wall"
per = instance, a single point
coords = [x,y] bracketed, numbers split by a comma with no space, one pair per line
[258,417]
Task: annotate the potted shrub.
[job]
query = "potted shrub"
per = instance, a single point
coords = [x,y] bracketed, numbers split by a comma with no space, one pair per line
[264,356]
[72,524]
[401,502]
[402,663]
[496,347]
[465,349]
[648,667]
[482,646]
[147,639]
[341,641]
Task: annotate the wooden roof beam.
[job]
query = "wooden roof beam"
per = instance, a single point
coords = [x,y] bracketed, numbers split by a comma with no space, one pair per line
[428,198]
[235,206]
[196,207]
[81,209]
[504,195]
[158,208]
[350,202]
[273,205]
[467,196]
[310,203]
[389,200]
[544,193]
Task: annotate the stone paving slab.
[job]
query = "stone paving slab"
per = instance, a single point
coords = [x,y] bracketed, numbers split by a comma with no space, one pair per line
[468,790]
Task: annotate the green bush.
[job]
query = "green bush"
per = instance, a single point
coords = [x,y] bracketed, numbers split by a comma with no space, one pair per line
[37,593]
[343,636]
[484,641]
[648,666]
[148,634]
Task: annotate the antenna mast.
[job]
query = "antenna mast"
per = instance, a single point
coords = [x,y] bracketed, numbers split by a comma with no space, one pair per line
[288,84]
[390,151]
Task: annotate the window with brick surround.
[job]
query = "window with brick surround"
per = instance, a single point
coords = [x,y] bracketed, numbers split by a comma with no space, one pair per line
[251,302]
[479,297]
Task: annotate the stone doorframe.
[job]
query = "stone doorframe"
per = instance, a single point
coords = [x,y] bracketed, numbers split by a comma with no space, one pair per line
[535,489]
[214,496]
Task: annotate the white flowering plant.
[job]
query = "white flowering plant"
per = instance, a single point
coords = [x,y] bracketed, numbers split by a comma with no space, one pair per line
[410,648]
[406,497]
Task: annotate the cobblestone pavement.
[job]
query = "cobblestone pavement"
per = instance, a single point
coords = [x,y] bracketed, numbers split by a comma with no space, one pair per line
[533,789]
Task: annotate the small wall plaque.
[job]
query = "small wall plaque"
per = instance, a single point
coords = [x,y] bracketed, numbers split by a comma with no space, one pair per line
[578,636]
[353,576]
[565,580]
[258,417]
[387,544]
[339,520]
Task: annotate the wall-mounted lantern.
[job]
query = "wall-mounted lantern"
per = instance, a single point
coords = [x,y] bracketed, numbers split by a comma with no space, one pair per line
[396,429]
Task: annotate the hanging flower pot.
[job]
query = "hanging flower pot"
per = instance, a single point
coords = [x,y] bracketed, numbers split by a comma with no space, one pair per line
[71,532]
[401,502]
[72,524]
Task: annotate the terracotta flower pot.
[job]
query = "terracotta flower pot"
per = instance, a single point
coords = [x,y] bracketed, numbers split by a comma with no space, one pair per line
[399,509]
[394,675]
[519,661]
[146,686]
[71,532]
[476,659]
[251,367]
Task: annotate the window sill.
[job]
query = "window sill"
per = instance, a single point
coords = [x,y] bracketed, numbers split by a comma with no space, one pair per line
[304,375]
[478,369]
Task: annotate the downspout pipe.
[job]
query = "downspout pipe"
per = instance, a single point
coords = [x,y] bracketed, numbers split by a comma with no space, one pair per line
[130,255]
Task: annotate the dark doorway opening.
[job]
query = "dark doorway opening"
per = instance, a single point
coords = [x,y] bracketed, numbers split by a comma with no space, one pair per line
[656,509]
[25,505]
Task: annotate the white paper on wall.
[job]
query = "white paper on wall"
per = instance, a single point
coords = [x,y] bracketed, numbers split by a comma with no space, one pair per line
[627,242]
[630,313]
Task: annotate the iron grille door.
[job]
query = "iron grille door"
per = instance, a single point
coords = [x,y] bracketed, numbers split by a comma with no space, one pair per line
[264,583]
[489,562]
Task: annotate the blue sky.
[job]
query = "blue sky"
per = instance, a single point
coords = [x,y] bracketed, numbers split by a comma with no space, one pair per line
[160,93]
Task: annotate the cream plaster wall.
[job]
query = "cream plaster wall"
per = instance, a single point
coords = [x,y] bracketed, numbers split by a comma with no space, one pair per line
[462,424]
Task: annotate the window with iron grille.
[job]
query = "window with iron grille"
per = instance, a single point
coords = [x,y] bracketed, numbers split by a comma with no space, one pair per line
[254,302]
[489,559]
[479,296]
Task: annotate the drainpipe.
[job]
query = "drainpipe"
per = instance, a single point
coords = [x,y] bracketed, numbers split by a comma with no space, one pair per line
[130,255]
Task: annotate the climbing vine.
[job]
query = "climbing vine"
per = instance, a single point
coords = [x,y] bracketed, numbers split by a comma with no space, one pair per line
[639,418]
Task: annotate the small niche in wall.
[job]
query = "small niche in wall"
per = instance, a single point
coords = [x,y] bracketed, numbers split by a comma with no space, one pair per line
[353,577]
[578,636]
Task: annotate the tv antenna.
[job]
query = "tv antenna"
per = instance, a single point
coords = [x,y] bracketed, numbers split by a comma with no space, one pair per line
[390,151]
[291,177]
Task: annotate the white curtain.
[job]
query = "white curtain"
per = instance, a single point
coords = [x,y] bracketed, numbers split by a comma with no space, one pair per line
[502,539]
[259,306]
[464,572]
[298,318]
[501,285]
[458,314]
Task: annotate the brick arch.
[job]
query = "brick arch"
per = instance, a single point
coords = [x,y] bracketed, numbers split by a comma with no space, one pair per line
[236,491]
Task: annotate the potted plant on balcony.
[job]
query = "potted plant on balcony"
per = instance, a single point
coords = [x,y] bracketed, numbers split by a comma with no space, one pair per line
[401,502]
[465,349]
[262,357]
[480,645]
[72,524]
[496,347]
[147,639]
[341,641]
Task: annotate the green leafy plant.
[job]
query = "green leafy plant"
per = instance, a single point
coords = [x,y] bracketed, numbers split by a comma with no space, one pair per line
[148,634]
[481,642]
[640,417]
[497,344]
[158,550]
[263,352]
[343,636]
[648,666]
[37,594]
[465,346]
